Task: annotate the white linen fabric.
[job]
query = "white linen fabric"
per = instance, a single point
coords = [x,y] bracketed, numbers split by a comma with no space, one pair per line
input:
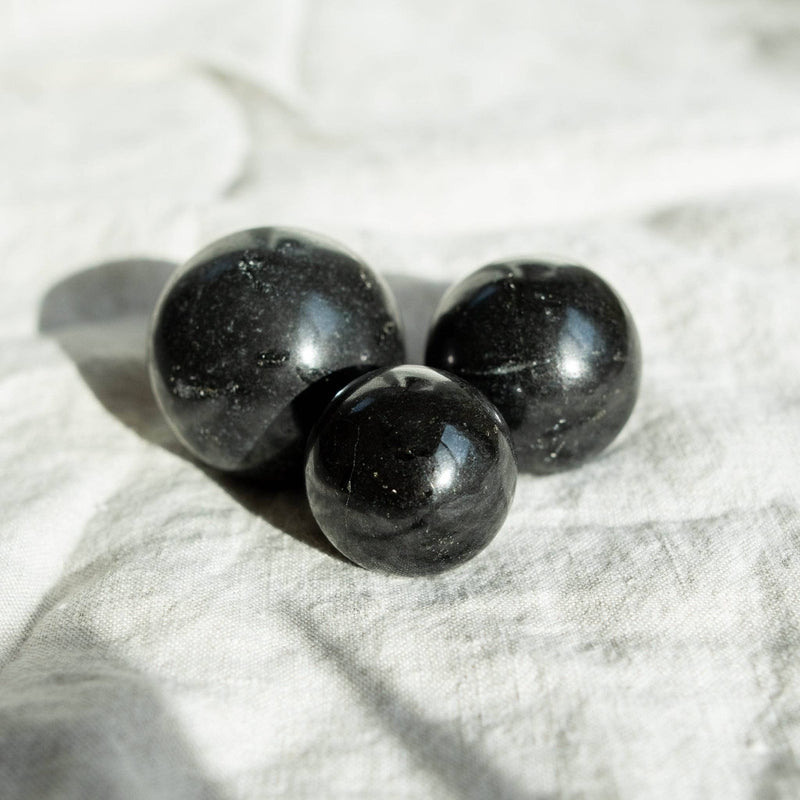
[633,631]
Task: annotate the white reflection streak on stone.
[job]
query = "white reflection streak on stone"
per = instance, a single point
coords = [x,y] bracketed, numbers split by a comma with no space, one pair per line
[578,337]
[321,320]
[451,454]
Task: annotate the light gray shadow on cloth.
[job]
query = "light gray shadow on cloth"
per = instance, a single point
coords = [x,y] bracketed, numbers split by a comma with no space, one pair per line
[437,747]
[417,300]
[100,317]
[77,722]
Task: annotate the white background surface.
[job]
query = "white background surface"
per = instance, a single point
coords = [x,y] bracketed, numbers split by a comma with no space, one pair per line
[634,631]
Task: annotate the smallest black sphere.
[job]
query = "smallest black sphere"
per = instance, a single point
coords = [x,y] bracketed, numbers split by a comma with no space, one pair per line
[410,471]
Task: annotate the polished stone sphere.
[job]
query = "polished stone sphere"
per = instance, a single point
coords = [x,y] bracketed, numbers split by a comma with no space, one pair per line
[252,338]
[552,346]
[410,471]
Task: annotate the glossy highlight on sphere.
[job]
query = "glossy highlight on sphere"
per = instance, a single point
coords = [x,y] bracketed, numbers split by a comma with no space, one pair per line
[253,336]
[410,471]
[552,346]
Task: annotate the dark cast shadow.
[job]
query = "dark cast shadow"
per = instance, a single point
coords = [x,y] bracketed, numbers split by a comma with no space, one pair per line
[100,317]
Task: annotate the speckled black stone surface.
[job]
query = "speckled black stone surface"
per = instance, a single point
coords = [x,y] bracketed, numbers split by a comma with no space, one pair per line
[254,335]
[552,346]
[410,471]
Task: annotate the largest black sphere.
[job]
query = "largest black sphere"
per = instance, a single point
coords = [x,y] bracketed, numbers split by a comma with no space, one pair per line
[553,346]
[254,335]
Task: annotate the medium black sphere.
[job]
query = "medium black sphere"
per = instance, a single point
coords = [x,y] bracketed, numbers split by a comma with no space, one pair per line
[254,335]
[552,346]
[410,471]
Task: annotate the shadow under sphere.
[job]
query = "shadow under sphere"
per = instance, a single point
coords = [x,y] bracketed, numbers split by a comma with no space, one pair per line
[100,317]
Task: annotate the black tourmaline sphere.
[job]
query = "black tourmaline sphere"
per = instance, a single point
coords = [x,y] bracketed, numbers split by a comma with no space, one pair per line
[410,471]
[552,346]
[255,334]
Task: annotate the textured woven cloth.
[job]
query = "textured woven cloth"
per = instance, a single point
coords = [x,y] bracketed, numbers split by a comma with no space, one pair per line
[633,631]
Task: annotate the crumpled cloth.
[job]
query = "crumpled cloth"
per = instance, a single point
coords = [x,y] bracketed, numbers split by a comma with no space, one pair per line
[633,631]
